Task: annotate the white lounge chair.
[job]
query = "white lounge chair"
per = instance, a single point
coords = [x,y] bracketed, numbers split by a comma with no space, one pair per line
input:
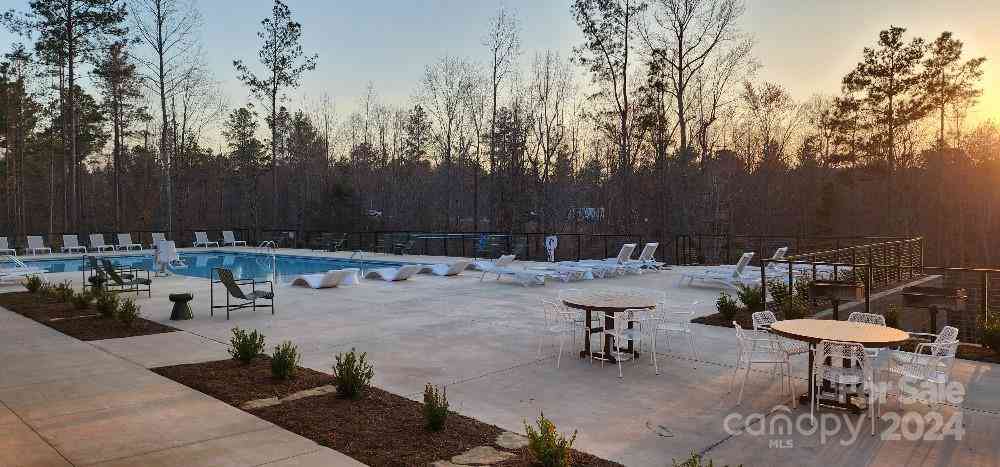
[328,279]
[401,273]
[618,265]
[71,243]
[229,239]
[488,267]
[726,276]
[445,269]
[157,238]
[646,261]
[125,242]
[201,239]
[36,244]
[5,247]
[166,256]
[97,243]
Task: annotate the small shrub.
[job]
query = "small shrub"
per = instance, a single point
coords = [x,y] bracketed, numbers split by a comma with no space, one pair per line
[284,360]
[790,301]
[107,305]
[97,282]
[128,312]
[549,447]
[727,306]
[752,297]
[353,374]
[63,291]
[33,284]
[245,346]
[695,461]
[435,407]
[82,300]
[991,334]
[892,316]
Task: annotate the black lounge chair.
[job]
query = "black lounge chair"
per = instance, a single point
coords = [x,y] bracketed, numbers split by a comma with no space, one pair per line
[233,290]
[124,279]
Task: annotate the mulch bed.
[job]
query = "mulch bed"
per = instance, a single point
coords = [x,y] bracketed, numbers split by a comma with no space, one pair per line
[81,324]
[235,383]
[381,429]
[716,319]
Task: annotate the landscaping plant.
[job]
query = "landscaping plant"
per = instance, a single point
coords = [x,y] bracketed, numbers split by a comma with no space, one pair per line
[991,334]
[33,284]
[245,346]
[696,461]
[547,446]
[64,291]
[353,374]
[128,312]
[107,304]
[727,306]
[284,361]
[790,301]
[435,407]
[751,296]
[82,300]
[892,316]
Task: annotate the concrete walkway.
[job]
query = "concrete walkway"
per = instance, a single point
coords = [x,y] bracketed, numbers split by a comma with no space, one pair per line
[64,402]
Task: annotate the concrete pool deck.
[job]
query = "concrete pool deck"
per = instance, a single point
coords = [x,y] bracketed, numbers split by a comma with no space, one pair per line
[478,339]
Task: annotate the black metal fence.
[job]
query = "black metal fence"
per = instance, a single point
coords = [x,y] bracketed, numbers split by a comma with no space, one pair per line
[693,249]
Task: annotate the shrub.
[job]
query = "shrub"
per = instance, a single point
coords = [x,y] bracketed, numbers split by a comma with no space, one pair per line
[752,297]
[82,300]
[128,312]
[892,316]
[435,407]
[244,346]
[33,284]
[695,461]
[284,361]
[789,300]
[63,292]
[991,334]
[107,304]
[353,374]
[549,447]
[727,306]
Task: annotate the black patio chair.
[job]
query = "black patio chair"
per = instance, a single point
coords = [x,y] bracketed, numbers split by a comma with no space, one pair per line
[234,290]
[126,279]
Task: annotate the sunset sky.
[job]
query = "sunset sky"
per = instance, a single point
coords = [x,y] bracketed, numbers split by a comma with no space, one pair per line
[805,45]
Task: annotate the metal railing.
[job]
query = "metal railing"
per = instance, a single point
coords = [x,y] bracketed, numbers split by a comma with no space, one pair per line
[691,249]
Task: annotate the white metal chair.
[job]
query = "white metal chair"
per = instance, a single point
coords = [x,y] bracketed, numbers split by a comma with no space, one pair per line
[37,244]
[71,243]
[930,361]
[758,348]
[628,326]
[848,368]
[558,324]
[125,242]
[157,238]
[868,318]
[762,321]
[673,320]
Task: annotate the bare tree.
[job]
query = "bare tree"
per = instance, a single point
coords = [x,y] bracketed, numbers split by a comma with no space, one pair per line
[683,40]
[550,92]
[504,44]
[169,28]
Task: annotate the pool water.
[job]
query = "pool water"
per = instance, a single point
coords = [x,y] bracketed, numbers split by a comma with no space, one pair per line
[244,265]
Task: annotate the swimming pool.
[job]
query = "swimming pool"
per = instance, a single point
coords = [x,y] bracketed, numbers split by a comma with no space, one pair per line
[243,265]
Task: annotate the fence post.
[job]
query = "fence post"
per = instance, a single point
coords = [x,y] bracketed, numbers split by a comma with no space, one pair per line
[579,246]
[985,299]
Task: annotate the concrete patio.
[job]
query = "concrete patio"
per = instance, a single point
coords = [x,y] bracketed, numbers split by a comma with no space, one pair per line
[476,337]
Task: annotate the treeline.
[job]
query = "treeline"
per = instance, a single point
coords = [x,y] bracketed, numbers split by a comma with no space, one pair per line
[671,132]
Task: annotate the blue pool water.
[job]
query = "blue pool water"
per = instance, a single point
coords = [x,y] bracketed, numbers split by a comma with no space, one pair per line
[243,265]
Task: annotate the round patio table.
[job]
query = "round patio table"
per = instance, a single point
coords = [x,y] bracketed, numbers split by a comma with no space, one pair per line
[610,302]
[813,331]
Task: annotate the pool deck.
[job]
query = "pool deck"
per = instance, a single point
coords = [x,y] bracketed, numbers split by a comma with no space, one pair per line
[478,338]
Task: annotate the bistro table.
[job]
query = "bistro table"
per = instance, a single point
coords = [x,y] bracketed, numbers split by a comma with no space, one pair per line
[812,331]
[610,302]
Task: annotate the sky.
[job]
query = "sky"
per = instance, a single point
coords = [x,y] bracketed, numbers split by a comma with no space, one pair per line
[805,45]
